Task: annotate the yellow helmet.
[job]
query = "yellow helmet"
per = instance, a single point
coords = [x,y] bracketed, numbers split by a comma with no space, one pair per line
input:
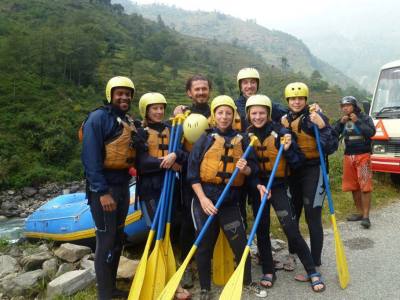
[194,126]
[248,73]
[118,81]
[149,99]
[222,100]
[261,100]
[296,89]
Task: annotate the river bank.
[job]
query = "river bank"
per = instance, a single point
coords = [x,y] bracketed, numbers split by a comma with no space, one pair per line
[21,203]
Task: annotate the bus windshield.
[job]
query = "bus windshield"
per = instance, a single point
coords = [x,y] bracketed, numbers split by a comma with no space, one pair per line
[386,103]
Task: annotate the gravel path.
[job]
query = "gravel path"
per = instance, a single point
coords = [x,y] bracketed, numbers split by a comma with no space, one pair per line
[372,255]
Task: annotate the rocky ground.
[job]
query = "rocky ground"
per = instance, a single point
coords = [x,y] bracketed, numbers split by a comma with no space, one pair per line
[21,203]
[43,270]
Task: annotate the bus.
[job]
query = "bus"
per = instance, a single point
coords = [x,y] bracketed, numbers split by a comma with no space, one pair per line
[385,111]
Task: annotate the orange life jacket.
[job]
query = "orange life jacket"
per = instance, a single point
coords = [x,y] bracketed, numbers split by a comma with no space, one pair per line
[266,154]
[119,151]
[157,142]
[220,160]
[306,142]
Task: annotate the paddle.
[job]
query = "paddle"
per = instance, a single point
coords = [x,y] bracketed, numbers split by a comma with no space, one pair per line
[169,253]
[137,283]
[155,275]
[143,268]
[233,288]
[169,290]
[341,261]
[157,268]
[223,260]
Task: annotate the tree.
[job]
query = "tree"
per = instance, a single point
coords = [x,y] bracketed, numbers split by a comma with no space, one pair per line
[284,64]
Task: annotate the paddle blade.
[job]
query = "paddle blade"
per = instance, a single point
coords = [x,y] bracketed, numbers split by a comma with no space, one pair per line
[341,261]
[168,292]
[154,279]
[223,260]
[233,288]
[137,283]
[169,253]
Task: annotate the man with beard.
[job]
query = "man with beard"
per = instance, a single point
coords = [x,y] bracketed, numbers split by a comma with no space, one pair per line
[107,155]
[198,89]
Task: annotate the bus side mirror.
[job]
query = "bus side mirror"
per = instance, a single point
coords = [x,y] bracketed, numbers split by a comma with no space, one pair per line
[366,106]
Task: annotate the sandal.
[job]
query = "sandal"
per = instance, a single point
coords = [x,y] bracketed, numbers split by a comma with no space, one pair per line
[317,282]
[290,263]
[270,278]
[182,294]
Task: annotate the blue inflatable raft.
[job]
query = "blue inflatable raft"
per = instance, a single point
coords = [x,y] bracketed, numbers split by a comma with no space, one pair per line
[67,218]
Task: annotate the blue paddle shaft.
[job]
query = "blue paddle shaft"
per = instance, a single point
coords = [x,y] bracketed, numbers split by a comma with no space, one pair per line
[169,182]
[324,172]
[164,192]
[221,198]
[265,197]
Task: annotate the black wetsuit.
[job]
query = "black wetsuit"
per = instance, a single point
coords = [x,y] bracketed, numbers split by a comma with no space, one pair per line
[228,218]
[306,183]
[281,201]
[101,126]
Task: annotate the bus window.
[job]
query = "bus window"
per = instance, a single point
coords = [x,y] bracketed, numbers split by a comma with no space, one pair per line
[388,90]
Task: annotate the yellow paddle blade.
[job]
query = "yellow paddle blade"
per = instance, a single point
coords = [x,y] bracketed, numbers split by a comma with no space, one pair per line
[168,292]
[154,279]
[341,261]
[137,283]
[169,253]
[223,260]
[233,288]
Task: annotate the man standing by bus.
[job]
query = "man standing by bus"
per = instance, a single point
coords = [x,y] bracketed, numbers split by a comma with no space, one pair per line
[357,129]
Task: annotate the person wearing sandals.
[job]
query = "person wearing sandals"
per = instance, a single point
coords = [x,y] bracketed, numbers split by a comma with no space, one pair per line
[306,182]
[212,161]
[248,81]
[153,159]
[269,133]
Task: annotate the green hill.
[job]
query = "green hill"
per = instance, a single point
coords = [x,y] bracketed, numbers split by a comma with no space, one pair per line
[57,55]
[276,48]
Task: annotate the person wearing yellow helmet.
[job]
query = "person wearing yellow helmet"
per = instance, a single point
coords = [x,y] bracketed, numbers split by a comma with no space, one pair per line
[306,182]
[107,155]
[248,80]
[269,134]
[211,163]
[153,158]
[151,143]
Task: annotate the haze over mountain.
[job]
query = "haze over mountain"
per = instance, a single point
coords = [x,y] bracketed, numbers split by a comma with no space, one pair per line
[277,48]
[357,37]
[366,36]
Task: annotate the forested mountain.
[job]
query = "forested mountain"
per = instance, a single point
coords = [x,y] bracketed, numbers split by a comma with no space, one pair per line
[57,55]
[277,48]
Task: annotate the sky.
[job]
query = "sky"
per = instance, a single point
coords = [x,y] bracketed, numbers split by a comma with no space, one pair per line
[302,18]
